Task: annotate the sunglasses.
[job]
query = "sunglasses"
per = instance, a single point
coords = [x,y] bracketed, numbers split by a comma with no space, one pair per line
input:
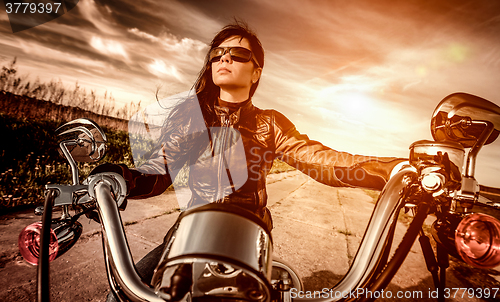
[238,54]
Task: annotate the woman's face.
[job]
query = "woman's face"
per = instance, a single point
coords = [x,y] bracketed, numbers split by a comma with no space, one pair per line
[230,75]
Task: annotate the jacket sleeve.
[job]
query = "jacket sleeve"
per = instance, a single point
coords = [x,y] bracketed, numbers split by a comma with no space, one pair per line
[184,136]
[151,178]
[155,175]
[168,158]
[328,166]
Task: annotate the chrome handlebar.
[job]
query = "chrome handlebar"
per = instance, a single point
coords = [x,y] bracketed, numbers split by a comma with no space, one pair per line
[377,233]
[122,274]
[126,282]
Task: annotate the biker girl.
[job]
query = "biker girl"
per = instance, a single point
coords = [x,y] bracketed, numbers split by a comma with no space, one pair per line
[231,148]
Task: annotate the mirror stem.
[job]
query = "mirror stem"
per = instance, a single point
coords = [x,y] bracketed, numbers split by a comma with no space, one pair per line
[474,150]
[72,163]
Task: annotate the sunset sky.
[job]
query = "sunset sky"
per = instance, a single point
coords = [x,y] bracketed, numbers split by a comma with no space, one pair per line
[359,76]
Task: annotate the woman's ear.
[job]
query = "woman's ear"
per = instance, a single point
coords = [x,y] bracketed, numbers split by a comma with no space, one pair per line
[256,75]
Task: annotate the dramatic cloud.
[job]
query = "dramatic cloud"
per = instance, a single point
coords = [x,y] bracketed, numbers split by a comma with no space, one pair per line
[108,47]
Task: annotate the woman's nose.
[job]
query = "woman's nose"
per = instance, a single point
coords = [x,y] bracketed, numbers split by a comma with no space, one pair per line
[226,57]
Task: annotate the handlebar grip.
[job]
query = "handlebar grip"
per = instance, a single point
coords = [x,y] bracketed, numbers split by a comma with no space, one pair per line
[116,182]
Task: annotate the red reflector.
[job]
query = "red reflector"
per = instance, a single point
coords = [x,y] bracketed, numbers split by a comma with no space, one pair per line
[29,243]
[477,239]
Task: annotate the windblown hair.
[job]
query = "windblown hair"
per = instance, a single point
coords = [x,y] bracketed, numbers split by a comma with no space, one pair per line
[185,112]
[206,91]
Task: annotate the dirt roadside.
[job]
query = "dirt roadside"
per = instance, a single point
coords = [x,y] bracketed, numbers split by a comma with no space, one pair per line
[317,229]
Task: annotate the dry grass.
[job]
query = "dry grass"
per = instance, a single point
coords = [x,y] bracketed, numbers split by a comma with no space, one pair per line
[55,92]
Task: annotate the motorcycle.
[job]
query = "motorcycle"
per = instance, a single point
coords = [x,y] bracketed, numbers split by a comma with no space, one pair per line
[216,251]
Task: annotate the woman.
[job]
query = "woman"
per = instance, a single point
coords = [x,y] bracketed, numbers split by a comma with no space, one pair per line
[231,148]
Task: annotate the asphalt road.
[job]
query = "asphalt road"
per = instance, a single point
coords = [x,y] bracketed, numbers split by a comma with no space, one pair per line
[317,230]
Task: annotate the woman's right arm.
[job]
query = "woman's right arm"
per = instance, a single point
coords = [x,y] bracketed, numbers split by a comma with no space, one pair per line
[155,175]
[183,134]
[139,183]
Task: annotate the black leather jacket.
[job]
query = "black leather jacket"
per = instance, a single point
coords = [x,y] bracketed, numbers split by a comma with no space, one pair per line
[229,163]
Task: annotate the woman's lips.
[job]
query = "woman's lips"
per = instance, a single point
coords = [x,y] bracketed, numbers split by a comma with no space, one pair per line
[223,70]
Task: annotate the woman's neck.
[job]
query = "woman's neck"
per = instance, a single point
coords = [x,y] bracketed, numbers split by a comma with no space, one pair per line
[232,106]
[237,96]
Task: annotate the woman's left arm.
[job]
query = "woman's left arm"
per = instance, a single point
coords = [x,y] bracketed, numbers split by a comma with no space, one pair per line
[328,166]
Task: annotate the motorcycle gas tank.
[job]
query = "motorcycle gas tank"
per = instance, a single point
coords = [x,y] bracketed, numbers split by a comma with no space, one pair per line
[216,251]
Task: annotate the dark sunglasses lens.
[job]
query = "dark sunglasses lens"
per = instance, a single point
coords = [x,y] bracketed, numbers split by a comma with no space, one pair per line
[215,59]
[216,54]
[240,54]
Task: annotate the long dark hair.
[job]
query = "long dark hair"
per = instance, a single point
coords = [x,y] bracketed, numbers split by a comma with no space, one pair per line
[206,91]
[186,110]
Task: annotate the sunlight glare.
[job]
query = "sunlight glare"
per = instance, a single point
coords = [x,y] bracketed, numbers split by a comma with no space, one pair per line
[353,105]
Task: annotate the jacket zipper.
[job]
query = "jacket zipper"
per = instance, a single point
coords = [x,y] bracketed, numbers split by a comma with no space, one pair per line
[220,193]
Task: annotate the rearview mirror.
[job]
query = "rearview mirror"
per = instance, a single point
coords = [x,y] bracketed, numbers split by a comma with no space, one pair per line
[462,118]
[83,139]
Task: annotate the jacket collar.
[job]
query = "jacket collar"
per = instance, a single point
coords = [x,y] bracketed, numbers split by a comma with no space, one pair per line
[223,112]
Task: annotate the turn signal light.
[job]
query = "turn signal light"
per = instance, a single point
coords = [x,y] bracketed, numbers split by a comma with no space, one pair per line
[477,239]
[29,243]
